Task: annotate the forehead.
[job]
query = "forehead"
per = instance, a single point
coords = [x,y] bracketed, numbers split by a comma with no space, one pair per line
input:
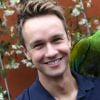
[42,26]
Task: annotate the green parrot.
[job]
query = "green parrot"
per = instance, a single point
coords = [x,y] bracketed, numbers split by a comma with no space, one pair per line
[85,56]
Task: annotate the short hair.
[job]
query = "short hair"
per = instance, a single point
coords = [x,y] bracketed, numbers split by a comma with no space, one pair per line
[35,8]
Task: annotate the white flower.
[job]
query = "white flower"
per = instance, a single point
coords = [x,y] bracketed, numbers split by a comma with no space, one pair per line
[5,92]
[79,6]
[88,4]
[4,23]
[16,1]
[13,66]
[90,1]
[18,52]
[11,28]
[7,53]
[1,96]
[74,0]
[14,47]
[75,12]
[29,64]
[27,56]
[89,25]
[82,21]
[7,66]
[16,65]
[9,12]
[98,27]
[13,2]
[24,61]
[11,52]
[96,21]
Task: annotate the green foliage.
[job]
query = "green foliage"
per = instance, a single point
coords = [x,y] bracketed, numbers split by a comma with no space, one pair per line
[1,93]
[3,73]
[78,21]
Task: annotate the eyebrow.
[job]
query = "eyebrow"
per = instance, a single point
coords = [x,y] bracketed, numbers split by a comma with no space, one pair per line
[35,42]
[57,35]
[40,41]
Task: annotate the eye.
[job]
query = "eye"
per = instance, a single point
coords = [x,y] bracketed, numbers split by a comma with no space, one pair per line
[37,46]
[57,40]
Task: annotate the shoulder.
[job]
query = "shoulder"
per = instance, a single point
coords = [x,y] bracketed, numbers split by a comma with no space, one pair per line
[88,87]
[95,91]
[82,79]
[96,81]
[35,92]
[86,82]
[25,95]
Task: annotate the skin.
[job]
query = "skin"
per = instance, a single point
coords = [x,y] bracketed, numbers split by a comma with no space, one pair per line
[49,48]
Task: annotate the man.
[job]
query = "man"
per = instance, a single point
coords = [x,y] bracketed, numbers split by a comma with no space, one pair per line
[43,32]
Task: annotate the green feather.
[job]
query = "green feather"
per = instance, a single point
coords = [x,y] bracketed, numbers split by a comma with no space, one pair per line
[85,56]
[78,53]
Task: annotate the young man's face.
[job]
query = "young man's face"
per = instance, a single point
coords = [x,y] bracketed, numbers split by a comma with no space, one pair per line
[47,44]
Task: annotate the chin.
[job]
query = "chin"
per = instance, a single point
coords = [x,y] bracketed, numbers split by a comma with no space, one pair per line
[57,73]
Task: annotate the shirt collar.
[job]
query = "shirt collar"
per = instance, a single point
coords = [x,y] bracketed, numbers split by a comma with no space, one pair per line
[85,84]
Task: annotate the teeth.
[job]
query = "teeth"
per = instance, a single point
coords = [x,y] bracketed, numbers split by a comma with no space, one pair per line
[53,62]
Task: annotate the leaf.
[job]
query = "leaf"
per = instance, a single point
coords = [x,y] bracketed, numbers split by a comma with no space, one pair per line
[4,27]
[3,73]
[4,46]
[2,32]
[0,89]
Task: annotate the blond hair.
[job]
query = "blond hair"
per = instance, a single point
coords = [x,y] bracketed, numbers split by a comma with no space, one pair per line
[35,8]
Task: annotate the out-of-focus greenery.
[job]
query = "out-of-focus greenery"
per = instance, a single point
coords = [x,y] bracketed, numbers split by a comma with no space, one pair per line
[10,48]
[80,23]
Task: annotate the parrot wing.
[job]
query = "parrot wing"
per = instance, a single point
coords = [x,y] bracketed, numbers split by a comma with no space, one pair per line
[79,53]
[85,56]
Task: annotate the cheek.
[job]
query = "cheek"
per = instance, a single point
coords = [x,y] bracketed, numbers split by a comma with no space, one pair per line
[36,56]
[65,48]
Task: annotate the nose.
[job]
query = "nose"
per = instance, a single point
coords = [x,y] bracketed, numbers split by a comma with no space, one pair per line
[50,51]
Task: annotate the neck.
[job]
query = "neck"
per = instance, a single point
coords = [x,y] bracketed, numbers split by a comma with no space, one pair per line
[60,85]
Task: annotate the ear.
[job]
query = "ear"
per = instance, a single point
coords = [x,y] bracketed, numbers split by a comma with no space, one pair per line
[69,37]
[26,53]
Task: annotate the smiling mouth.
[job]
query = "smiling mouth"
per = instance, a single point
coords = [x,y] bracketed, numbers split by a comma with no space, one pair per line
[54,62]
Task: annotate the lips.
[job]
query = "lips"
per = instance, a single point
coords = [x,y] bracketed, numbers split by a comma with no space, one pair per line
[54,62]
